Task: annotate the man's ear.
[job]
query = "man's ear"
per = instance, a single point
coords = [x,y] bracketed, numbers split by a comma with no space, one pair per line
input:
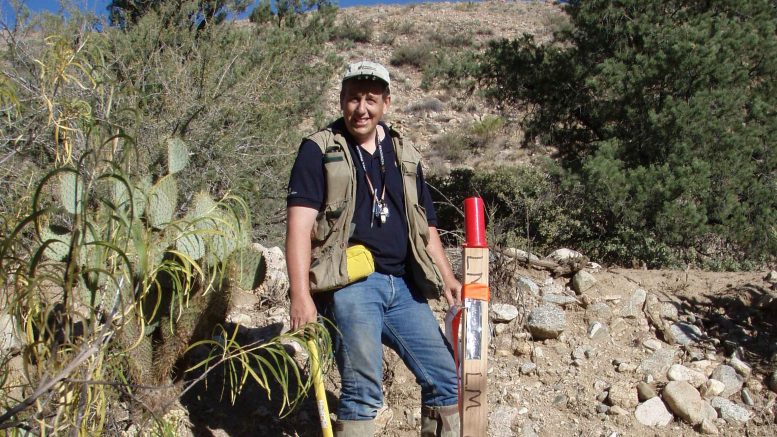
[387,100]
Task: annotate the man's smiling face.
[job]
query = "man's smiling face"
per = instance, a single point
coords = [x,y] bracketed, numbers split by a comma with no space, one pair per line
[363,102]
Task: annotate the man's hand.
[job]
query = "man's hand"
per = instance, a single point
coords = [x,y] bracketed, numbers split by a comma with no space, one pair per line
[303,311]
[453,292]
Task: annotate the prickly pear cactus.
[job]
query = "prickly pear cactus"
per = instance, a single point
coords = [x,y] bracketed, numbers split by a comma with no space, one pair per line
[58,242]
[247,268]
[71,191]
[133,198]
[177,155]
[191,244]
[162,202]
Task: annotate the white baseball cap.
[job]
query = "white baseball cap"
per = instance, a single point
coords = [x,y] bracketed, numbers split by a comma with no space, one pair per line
[367,70]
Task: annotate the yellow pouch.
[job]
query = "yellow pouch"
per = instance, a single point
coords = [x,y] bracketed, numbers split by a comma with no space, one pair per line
[360,263]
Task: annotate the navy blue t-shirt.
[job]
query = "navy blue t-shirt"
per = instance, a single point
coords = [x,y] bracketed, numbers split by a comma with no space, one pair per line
[388,242]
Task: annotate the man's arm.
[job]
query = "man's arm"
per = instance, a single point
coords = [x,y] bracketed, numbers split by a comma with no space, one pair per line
[451,284]
[300,222]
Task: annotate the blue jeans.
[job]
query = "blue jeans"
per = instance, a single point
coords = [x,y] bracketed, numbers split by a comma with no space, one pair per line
[382,309]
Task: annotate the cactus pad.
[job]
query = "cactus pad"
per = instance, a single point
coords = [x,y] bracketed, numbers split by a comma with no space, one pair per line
[59,247]
[71,191]
[177,155]
[247,268]
[162,202]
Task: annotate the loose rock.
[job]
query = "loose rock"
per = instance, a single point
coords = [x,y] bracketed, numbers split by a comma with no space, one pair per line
[658,363]
[503,312]
[678,372]
[685,334]
[729,411]
[653,412]
[546,322]
[740,366]
[632,308]
[729,377]
[686,402]
[712,388]
[645,392]
[582,282]
[623,395]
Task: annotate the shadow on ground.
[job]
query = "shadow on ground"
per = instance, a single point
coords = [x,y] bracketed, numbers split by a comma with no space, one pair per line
[740,316]
[253,413]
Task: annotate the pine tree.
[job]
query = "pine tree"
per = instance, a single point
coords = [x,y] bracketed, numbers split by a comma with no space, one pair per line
[664,114]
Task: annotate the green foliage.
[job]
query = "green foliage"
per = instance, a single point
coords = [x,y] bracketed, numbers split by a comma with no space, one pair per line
[111,268]
[415,54]
[451,69]
[199,14]
[488,127]
[288,12]
[663,115]
[177,155]
[351,30]
[234,95]
[248,267]
[522,206]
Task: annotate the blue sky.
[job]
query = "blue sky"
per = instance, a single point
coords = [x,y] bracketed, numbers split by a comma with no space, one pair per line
[99,5]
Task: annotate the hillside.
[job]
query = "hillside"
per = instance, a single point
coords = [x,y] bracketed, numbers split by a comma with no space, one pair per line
[620,337]
[144,170]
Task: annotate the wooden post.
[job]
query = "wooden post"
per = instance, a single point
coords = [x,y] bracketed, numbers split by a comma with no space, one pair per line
[474,320]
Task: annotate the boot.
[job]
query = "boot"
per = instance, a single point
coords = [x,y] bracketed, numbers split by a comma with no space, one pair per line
[440,421]
[354,428]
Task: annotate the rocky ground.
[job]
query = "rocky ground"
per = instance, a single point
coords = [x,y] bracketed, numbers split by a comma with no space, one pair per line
[606,352]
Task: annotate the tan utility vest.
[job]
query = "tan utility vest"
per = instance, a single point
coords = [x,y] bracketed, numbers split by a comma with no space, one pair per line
[328,269]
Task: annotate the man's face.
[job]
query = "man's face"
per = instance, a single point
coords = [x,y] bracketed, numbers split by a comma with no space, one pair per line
[363,104]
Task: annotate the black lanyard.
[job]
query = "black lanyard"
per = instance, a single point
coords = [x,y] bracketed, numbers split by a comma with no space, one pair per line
[379,207]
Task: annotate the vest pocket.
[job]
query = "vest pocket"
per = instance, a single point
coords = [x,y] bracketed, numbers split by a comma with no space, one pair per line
[327,220]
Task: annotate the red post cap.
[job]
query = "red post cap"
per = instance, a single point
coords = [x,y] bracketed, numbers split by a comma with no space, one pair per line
[475,222]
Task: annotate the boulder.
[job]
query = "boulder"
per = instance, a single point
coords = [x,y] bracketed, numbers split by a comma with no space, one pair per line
[503,312]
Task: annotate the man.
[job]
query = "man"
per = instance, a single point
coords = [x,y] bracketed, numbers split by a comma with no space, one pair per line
[356,183]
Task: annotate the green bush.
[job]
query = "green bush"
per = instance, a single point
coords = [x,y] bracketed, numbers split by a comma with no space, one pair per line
[352,30]
[663,115]
[416,54]
[451,70]
[522,206]
[114,255]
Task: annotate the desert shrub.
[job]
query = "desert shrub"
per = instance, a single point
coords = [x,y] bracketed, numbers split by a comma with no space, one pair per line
[351,30]
[451,69]
[451,146]
[430,104]
[445,38]
[522,206]
[122,235]
[415,54]
[662,115]
[488,127]
[400,27]
[235,94]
